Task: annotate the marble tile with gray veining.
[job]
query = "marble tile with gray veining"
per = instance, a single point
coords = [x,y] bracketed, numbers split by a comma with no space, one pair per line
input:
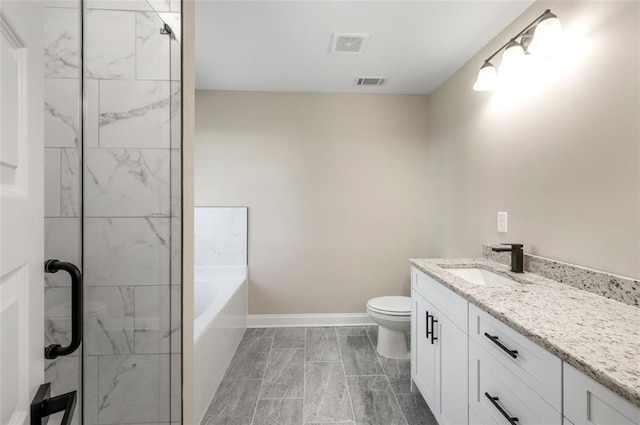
[115,241]
[152,323]
[289,338]
[61,43]
[372,331]
[127,182]
[62,242]
[279,412]
[415,409]
[251,358]
[358,356]
[326,397]
[110,54]
[133,389]
[135,114]
[70,182]
[52,182]
[285,374]
[61,113]
[608,285]
[322,345]
[373,401]
[110,313]
[234,399]
[152,48]
[597,335]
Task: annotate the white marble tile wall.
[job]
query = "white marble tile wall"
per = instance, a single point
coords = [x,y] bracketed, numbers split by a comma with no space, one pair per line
[132,205]
[221,236]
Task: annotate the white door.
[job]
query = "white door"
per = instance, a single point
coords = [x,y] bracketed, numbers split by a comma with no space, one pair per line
[21,209]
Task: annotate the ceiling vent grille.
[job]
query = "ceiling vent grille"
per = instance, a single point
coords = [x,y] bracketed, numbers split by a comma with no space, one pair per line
[371,81]
[351,44]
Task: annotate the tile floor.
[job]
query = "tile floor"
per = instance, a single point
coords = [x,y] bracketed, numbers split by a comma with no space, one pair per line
[315,376]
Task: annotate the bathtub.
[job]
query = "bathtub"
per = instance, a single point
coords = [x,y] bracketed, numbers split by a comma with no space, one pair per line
[220,319]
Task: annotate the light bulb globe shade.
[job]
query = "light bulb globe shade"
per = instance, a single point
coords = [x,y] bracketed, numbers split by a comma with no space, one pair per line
[487,78]
[547,35]
[512,59]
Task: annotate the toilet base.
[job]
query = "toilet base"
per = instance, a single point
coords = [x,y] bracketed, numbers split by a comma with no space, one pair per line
[392,343]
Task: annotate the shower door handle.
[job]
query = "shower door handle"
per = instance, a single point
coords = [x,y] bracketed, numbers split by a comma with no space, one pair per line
[55,350]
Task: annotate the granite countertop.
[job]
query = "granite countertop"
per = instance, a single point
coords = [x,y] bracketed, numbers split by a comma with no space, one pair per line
[598,336]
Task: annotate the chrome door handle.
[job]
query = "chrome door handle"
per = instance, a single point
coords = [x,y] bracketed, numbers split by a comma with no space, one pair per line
[55,350]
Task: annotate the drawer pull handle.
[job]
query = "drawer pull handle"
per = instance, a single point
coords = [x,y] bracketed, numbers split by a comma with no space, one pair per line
[433,330]
[494,401]
[494,339]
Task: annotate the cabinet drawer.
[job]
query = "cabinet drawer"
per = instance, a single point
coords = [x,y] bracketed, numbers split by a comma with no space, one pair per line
[589,402]
[489,377]
[448,302]
[532,364]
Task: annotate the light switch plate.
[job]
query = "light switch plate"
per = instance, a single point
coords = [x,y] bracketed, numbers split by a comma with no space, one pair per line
[502,222]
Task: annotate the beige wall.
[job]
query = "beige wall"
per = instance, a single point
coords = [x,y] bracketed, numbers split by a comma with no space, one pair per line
[335,186]
[564,162]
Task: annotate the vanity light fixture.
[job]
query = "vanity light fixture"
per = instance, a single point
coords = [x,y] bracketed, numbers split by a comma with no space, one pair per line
[537,38]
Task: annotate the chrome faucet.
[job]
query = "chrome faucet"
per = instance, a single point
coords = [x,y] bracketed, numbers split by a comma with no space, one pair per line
[517,255]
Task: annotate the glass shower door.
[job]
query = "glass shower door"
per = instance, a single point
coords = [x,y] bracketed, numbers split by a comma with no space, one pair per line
[63,206]
[131,218]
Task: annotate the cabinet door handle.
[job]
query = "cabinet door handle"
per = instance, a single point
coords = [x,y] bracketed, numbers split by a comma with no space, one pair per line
[426,319]
[433,329]
[494,339]
[494,400]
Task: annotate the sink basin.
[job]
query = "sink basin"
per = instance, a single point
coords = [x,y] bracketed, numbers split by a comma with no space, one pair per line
[481,277]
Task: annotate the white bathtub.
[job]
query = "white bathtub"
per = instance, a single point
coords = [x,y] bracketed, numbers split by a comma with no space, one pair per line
[220,319]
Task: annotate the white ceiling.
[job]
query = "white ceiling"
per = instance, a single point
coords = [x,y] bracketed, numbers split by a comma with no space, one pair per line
[284,45]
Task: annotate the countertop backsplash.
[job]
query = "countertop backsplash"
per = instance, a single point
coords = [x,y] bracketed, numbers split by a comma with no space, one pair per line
[618,288]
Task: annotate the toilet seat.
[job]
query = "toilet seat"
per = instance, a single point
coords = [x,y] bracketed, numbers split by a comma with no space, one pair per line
[391,306]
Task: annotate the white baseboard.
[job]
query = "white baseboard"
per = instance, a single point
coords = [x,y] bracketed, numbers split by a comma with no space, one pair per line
[295,320]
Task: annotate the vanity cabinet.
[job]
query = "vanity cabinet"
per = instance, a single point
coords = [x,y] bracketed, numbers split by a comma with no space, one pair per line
[440,349]
[471,368]
[587,402]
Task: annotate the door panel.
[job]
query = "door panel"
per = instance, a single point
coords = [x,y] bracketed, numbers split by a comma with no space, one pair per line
[21,209]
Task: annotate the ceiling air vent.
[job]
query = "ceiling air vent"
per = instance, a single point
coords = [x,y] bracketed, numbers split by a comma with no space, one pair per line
[371,81]
[352,44]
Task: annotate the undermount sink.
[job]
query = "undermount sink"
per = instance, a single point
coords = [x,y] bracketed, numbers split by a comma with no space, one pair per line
[481,277]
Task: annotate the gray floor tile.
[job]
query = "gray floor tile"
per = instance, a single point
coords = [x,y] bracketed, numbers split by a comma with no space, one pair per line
[279,412]
[329,423]
[401,386]
[373,401]
[289,338]
[234,399]
[210,420]
[322,345]
[326,395]
[285,374]
[358,356]
[351,330]
[415,410]
[396,368]
[259,333]
[372,331]
[250,359]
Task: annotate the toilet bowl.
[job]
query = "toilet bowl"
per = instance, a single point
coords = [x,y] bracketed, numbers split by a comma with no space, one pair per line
[393,316]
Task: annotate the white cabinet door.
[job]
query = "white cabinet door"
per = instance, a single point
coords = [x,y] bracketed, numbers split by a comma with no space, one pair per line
[587,402]
[424,350]
[451,373]
[21,208]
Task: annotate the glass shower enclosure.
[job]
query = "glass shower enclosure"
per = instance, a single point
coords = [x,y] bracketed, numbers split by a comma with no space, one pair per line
[113,206]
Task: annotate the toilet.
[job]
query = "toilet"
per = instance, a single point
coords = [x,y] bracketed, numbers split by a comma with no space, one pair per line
[393,316]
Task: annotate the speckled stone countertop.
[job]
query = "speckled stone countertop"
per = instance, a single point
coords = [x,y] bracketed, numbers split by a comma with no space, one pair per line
[598,336]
